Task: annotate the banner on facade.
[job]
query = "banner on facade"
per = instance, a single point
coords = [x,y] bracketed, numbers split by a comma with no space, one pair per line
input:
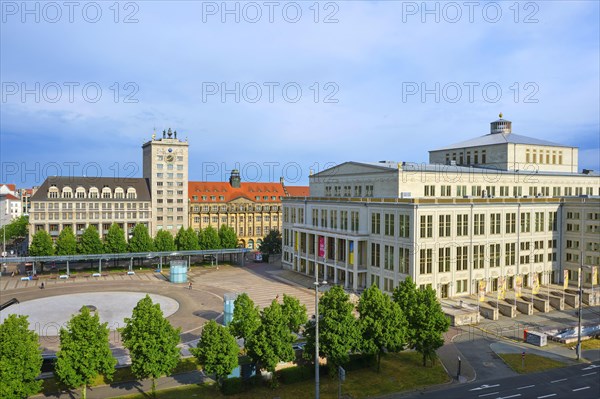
[321,246]
[482,284]
[518,285]
[536,284]
[351,255]
[501,288]
[565,279]
[594,275]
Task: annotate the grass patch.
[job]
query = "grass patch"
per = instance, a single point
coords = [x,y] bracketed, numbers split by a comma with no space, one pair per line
[588,344]
[399,372]
[533,363]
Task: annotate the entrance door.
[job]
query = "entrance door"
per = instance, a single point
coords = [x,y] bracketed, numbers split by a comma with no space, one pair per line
[444,291]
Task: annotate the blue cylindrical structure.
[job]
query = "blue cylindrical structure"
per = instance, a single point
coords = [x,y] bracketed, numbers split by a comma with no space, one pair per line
[178,273]
[228,306]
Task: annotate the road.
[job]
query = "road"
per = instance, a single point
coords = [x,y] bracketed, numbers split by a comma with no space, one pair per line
[581,381]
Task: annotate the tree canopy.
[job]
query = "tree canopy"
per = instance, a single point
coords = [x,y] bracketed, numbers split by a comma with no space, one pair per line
[66,244]
[246,317]
[140,240]
[227,237]
[152,342]
[338,328]
[271,243]
[381,323]
[84,351]
[187,240]
[17,228]
[294,313]
[217,350]
[89,242]
[41,244]
[20,358]
[114,242]
[210,238]
[163,241]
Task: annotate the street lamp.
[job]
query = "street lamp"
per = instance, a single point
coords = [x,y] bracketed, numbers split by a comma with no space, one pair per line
[317,285]
[580,300]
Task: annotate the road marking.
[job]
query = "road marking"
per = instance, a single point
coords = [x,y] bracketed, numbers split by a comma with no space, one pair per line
[546,396]
[488,394]
[525,387]
[511,396]
[585,375]
[485,386]
[580,389]
[552,382]
[591,366]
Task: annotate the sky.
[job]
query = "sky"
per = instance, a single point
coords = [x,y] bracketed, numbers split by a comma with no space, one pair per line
[285,88]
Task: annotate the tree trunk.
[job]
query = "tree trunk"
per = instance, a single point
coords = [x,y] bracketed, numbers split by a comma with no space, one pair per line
[378,361]
[153,387]
[84,391]
[424,360]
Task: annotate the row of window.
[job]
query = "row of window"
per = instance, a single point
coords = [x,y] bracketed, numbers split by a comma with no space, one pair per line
[236,208]
[161,175]
[544,156]
[93,192]
[461,159]
[347,191]
[170,166]
[267,218]
[222,197]
[41,206]
[90,215]
[430,190]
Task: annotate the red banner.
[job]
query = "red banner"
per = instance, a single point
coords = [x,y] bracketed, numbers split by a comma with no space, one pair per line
[321,246]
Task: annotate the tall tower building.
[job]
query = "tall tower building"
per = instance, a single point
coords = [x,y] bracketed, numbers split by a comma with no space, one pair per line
[166,170]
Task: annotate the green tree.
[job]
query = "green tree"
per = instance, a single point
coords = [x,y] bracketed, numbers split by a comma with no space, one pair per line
[271,243]
[246,317]
[17,228]
[217,350]
[227,237]
[41,244]
[426,322]
[294,313]
[114,242]
[163,241]
[89,242]
[210,238]
[187,240]
[381,323]
[140,240]
[201,239]
[338,328]
[271,343]
[66,244]
[152,342]
[84,351]
[20,358]
[406,295]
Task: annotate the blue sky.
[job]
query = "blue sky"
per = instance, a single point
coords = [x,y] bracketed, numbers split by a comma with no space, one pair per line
[360,68]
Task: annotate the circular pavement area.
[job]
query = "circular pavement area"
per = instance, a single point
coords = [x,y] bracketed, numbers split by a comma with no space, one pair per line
[47,315]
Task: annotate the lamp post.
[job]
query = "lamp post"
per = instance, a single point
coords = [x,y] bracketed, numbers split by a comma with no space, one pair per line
[317,285]
[579,312]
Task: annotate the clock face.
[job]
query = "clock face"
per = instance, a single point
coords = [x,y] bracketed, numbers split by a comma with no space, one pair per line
[170,150]
[170,158]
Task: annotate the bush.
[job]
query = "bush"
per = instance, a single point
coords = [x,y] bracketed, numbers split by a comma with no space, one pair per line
[291,375]
[232,386]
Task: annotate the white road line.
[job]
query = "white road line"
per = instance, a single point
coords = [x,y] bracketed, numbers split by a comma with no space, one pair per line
[484,387]
[585,375]
[546,396]
[511,396]
[488,394]
[580,389]
[525,387]
[563,379]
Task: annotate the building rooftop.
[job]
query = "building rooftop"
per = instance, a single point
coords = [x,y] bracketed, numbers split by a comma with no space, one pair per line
[500,138]
[139,184]
[272,191]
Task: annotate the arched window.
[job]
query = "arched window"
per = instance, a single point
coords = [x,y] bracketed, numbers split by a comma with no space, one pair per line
[94,192]
[251,244]
[131,193]
[119,193]
[80,192]
[53,192]
[106,192]
[67,192]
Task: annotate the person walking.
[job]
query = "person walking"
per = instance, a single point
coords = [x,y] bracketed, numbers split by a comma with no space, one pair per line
[190,286]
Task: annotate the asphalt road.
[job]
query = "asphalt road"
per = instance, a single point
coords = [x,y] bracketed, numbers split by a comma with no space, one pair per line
[581,381]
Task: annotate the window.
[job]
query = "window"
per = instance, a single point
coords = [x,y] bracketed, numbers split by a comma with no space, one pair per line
[358,191]
[444,225]
[444,260]
[315,217]
[344,220]
[375,223]
[552,221]
[403,259]
[369,191]
[425,261]
[461,286]
[494,255]
[539,221]
[495,223]
[479,224]
[445,191]
[404,221]
[388,257]
[354,221]
[461,191]
[426,226]
[462,225]
[509,254]
[333,219]
[323,218]
[525,222]
[478,256]
[462,258]
[511,221]
[389,224]
[430,191]
[375,248]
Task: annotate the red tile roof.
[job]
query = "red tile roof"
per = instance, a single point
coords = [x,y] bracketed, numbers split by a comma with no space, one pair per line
[11,187]
[298,191]
[246,190]
[10,197]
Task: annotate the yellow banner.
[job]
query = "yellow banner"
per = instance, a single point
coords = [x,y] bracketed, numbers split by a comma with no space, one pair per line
[482,285]
[594,275]
[518,285]
[565,279]
[536,284]
[501,288]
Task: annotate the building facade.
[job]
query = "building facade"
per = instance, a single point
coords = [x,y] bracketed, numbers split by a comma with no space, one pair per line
[454,227]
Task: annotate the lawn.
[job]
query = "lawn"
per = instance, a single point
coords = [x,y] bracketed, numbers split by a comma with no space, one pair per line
[588,344]
[399,372]
[533,363]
